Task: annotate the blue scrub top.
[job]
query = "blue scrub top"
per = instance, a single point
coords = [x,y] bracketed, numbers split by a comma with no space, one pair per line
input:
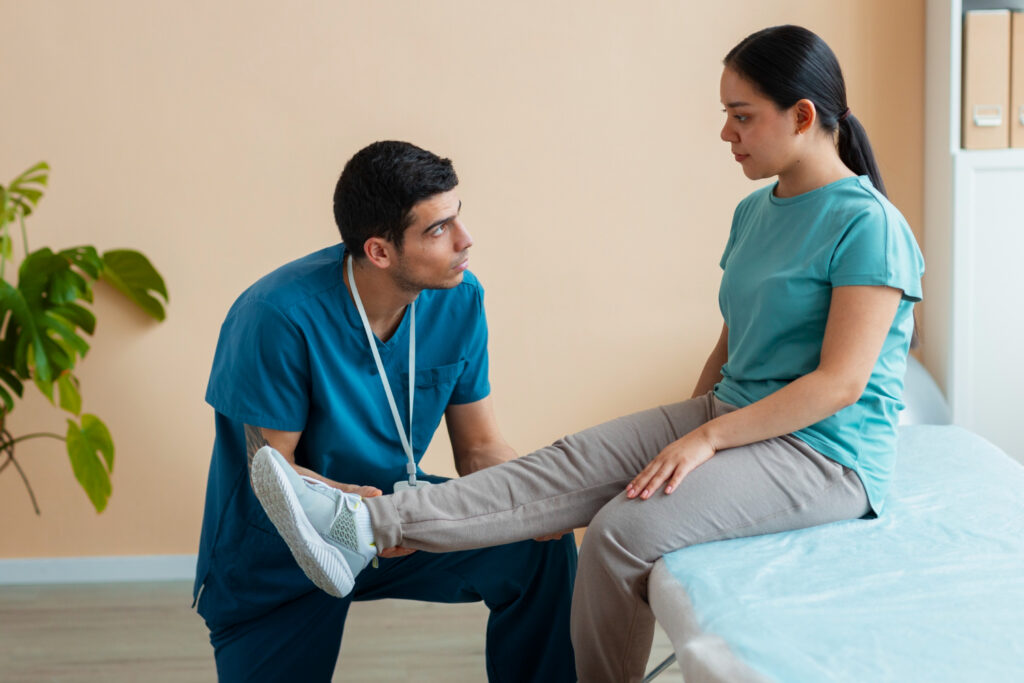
[783,258]
[293,356]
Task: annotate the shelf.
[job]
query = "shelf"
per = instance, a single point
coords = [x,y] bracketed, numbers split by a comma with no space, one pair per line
[996,158]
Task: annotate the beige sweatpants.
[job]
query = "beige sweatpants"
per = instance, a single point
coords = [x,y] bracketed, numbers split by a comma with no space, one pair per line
[764,487]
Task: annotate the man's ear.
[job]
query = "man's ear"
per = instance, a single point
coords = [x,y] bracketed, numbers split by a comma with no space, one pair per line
[805,115]
[379,251]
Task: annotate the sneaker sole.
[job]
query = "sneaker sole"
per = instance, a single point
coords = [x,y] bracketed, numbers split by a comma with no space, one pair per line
[324,564]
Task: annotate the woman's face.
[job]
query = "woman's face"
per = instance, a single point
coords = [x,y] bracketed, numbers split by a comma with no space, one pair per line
[761,136]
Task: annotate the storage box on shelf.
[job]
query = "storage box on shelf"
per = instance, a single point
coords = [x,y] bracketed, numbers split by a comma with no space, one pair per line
[973,321]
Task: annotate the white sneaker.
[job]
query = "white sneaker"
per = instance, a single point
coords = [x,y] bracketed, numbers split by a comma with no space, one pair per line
[327,530]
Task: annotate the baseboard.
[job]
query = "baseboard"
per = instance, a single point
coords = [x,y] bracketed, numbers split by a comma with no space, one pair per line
[97,569]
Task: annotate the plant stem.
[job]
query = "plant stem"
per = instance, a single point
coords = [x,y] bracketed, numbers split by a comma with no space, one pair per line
[28,487]
[26,437]
[8,448]
[3,232]
[24,235]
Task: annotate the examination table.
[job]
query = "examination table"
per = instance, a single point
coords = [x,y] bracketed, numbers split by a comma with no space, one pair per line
[931,591]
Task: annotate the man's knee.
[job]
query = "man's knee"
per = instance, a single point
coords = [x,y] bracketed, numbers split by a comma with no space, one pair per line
[298,640]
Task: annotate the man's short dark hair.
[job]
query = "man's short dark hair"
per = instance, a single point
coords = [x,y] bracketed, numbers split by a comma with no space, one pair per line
[380,185]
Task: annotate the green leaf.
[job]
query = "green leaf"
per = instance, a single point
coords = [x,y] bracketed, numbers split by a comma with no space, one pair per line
[38,174]
[133,274]
[33,196]
[12,381]
[91,451]
[72,343]
[26,190]
[76,315]
[6,246]
[6,399]
[45,387]
[70,398]
[29,351]
[15,384]
[66,287]
[36,271]
[85,258]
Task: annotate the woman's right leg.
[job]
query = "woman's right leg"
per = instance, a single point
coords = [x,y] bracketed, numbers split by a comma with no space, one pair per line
[559,487]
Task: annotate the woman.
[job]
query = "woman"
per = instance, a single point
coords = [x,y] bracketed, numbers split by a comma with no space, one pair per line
[792,422]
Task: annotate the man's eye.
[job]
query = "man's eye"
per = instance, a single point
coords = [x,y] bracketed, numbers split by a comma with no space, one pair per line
[439,230]
[741,117]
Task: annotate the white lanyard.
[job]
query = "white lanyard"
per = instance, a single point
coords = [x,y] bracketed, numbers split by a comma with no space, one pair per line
[406,441]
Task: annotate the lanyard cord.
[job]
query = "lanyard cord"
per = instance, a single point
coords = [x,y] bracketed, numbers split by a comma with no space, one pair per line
[410,467]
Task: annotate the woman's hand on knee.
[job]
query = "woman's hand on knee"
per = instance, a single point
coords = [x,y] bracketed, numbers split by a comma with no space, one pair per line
[670,466]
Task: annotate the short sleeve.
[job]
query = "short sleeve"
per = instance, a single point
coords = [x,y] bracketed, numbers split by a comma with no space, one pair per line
[474,383]
[731,240]
[878,248]
[260,372]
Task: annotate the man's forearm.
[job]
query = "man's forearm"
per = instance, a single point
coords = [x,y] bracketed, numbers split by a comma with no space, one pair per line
[481,457]
[285,443]
[254,440]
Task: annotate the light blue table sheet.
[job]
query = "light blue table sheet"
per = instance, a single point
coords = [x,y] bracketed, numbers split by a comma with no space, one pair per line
[932,591]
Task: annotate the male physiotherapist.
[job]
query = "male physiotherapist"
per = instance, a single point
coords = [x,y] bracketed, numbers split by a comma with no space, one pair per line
[315,359]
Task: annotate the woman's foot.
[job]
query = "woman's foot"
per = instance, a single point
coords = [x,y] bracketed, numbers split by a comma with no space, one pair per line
[327,530]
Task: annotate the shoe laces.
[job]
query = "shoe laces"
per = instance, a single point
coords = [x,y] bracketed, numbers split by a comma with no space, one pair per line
[351,501]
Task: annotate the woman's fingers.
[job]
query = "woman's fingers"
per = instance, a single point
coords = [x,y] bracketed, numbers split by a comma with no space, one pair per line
[642,485]
[677,476]
[657,480]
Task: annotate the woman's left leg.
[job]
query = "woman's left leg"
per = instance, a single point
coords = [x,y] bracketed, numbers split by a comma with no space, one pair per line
[765,487]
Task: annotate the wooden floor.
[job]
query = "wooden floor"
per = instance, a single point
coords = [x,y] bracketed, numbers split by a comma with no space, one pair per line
[131,632]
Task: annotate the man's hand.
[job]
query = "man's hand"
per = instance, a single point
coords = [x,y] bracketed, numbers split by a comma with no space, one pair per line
[364,491]
[285,443]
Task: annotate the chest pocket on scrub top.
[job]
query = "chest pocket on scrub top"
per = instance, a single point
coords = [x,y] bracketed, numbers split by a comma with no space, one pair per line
[434,388]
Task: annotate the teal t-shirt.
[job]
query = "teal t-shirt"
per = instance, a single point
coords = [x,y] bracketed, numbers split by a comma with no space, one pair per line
[783,257]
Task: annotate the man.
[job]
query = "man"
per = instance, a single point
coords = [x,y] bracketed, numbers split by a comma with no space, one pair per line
[314,359]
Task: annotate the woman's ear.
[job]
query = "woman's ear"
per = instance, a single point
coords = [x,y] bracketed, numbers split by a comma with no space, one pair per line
[805,115]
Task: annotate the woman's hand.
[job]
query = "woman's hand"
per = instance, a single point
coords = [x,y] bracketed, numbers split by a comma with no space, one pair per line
[670,466]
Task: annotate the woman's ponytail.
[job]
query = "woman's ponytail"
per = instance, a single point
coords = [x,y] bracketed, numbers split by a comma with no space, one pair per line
[855,151]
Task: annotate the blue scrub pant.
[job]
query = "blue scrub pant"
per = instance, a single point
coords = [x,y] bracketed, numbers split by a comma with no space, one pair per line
[526,585]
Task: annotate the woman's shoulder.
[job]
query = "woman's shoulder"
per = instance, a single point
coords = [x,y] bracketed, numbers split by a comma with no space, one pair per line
[752,204]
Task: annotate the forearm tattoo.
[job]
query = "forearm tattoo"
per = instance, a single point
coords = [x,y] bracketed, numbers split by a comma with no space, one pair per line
[254,441]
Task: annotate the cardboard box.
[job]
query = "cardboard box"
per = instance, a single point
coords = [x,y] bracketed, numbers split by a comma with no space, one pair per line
[1017,81]
[986,86]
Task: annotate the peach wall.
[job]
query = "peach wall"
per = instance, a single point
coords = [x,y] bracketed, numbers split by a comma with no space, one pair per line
[209,135]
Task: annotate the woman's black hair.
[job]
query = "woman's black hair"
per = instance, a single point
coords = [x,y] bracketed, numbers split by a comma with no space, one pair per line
[788,64]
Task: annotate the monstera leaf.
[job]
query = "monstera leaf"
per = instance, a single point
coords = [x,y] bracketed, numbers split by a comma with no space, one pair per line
[91,451]
[133,274]
[42,340]
[25,191]
[43,323]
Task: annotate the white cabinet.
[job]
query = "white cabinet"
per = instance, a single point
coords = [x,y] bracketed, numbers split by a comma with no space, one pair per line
[973,323]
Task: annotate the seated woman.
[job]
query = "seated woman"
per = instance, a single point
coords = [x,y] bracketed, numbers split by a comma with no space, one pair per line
[792,422]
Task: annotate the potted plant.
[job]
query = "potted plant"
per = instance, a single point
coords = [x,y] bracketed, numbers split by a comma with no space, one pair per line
[44,314]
